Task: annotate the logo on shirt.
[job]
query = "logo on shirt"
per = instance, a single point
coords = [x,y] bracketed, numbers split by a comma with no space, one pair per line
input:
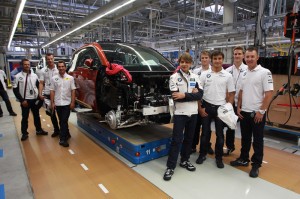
[179,79]
[20,78]
[56,79]
[192,79]
[208,75]
[46,70]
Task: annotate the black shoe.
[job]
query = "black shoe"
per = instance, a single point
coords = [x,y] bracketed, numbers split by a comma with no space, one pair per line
[188,165]
[239,162]
[220,164]
[168,174]
[13,114]
[41,132]
[200,159]
[210,151]
[24,137]
[254,172]
[229,151]
[68,136]
[55,133]
[1,115]
[63,143]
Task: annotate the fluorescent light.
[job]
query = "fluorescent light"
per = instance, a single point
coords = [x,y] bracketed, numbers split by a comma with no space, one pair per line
[89,22]
[20,10]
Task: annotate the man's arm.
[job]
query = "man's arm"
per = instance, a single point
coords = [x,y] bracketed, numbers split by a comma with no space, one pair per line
[52,94]
[72,105]
[230,97]
[41,87]
[239,104]
[267,99]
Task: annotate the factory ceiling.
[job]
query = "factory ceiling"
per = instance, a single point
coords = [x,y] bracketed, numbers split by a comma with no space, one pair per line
[158,23]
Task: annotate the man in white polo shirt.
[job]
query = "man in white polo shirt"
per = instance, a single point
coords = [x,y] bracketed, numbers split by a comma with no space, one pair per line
[216,84]
[62,95]
[254,98]
[237,70]
[205,65]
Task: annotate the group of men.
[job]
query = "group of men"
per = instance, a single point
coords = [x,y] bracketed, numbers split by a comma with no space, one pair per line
[55,89]
[198,94]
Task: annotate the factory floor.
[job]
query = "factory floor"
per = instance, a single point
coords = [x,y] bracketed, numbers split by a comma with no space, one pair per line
[40,168]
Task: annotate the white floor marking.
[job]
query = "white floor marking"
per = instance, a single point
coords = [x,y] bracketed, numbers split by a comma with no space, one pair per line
[103,188]
[84,167]
[71,152]
[265,162]
[48,125]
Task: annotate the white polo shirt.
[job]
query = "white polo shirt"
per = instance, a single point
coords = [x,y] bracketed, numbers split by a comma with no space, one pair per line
[200,70]
[184,83]
[2,78]
[63,87]
[46,75]
[254,85]
[237,75]
[215,86]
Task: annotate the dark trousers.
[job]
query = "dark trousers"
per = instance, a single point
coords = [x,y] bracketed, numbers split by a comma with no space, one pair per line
[25,115]
[212,112]
[197,133]
[63,113]
[5,98]
[230,134]
[53,117]
[183,133]
[54,121]
[248,129]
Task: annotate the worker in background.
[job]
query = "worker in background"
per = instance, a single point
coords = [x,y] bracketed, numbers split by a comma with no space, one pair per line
[237,70]
[25,88]
[44,90]
[62,95]
[4,95]
[205,65]
[186,91]
[254,97]
[216,84]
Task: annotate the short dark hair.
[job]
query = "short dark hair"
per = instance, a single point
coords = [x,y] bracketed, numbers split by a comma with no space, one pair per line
[238,48]
[205,52]
[49,54]
[22,61]
[252,48]
[216,53]
[62,61]
[186,57]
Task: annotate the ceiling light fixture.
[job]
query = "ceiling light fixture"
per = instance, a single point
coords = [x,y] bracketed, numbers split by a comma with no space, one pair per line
[89,21]
[16,21]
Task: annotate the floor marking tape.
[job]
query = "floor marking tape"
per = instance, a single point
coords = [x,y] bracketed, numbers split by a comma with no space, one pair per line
[71,152]
[103,188]
[265,162]
[84,167]
[2,193]
[48,125]
[1,153]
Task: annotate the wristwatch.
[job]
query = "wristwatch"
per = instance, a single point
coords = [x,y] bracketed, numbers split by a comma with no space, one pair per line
[262,111]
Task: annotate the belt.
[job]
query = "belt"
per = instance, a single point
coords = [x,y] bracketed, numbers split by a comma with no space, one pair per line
[209,104]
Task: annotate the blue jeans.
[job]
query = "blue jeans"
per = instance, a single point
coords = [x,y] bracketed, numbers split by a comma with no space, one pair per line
[183,134]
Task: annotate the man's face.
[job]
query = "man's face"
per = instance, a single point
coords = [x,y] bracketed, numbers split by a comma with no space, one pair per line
[61,68]
[217,61]
[251,58]
[184,65]
[238,56]
[205,60]
[50,60]
[26,66]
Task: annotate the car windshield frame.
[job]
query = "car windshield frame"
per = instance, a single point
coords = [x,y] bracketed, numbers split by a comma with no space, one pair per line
[135,57]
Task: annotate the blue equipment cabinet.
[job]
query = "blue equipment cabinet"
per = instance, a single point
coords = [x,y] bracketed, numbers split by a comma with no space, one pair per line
[137,144]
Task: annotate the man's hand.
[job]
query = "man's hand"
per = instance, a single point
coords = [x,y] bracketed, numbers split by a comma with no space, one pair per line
[202,112]
[42,97]
[238,112]
[195,90]
[178,95]
[258,117]
[72,106]
[24,103]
